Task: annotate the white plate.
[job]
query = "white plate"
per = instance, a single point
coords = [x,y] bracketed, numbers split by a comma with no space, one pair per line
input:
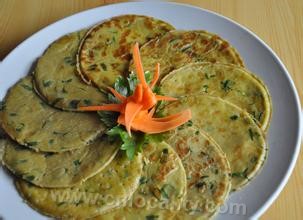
[284,133]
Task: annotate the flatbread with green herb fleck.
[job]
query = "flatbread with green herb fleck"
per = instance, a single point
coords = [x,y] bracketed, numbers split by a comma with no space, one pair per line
[105,51]
[207,170]
[162,186]
[232,83]
[59,170]
[233,129]
[107,190]
[56,80]
[32,123]
[177,48]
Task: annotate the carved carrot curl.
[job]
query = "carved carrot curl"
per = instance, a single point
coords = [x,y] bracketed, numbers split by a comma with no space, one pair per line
[136,111]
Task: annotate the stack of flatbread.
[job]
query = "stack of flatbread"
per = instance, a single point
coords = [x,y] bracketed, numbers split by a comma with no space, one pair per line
[64,164]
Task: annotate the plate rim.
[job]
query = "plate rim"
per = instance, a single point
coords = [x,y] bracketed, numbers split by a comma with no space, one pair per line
[295,155]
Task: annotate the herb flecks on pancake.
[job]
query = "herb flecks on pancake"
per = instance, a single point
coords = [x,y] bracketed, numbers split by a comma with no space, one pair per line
[105,50]
[55,77]
[229,82]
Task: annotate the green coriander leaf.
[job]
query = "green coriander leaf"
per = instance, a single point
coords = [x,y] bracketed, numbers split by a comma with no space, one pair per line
[108,118]
[74,104]
[92,67]
[157,90]
[148,77]
[70,61]
[47,83]
[27,87]
[19,127]
[132,82]
[130,152]
[103,66]
[121,86]
[242,174]
[143,180]
[251,134]
[87,102]
[130,144]
[112,99]
[67,81]
[29,178]
[205,88]
[207,76]
[234,117]
[76,162]
[167,190]
[226,85]
[60,133]
[151,217]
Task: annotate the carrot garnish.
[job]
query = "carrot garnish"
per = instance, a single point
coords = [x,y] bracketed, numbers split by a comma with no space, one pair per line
[138,65]
[156,76]
[138,93]
[165,98]
[107,107]
[137,110]
[131,110]
[151,112]
[117,94]
[170,117]
[150,126]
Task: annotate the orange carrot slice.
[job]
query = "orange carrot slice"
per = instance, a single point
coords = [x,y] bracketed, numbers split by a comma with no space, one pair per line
[131,110]
[138,93]
[151,112]
[149,126]
[117,94]
[108,107]
[138,65]
[156,76]
[165,98]
[168,118]
[149,99]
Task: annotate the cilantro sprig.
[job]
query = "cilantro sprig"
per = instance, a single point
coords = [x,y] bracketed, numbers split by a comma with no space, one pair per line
[130,144]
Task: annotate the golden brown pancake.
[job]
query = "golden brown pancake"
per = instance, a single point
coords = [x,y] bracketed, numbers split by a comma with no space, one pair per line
[105,51]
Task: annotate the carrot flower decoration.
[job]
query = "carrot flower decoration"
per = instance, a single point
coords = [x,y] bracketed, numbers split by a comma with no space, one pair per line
[136,111]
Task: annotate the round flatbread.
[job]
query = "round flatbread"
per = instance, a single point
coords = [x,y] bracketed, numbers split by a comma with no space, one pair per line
[229,82]
[56,80]
[105,51]
[59,170]
[32,123]
[107,190]
[177,48]
[162,187]
[233,129]
[207,170]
